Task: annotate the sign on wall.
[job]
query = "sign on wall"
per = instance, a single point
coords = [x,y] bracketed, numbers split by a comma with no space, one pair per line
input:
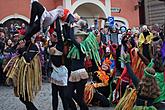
[115,10]
[111,21]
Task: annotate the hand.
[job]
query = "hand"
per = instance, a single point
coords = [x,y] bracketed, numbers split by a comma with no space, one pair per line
[60,12]
[137,49]
[94,85]
[52,50]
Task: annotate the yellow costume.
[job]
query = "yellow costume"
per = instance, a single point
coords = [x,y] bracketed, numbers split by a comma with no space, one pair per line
[25,77]
[142,39]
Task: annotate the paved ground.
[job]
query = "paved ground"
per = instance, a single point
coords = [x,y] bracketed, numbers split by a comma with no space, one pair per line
[43,100]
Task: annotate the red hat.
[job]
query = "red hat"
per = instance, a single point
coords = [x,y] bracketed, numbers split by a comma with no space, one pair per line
[64,17]
[115,46]
[38,38]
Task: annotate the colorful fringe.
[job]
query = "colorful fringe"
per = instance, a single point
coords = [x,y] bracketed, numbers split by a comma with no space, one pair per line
[26,77]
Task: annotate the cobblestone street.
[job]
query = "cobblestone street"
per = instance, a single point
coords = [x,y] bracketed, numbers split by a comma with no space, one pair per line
[43,100]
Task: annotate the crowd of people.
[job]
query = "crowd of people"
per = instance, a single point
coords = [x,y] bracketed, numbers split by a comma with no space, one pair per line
[110,66]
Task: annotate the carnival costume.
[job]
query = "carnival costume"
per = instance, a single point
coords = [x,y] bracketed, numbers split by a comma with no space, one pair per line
[144,43]
[139,96]
[59,75]
[79,76]
[157,64]
[92,95]
[89,47]
[160,80]
[44,19]
[25,73]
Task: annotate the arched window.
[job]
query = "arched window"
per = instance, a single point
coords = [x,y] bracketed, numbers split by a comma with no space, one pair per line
[16,21]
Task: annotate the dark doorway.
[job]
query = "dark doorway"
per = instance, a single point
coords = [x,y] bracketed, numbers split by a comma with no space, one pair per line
[142,12]
[14,21]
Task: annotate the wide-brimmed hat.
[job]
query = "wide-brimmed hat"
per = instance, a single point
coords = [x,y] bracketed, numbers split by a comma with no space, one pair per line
[79,32]
[149,72]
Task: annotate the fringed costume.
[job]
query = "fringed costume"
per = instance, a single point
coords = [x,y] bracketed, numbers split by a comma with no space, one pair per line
[89,47]
[147,90]
[25,74]
[92,95]
[78,77]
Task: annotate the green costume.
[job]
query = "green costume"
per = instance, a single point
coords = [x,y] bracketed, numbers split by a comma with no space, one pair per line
[89,47]
[160,80]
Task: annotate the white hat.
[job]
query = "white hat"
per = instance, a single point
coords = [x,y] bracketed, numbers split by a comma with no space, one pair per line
[145,27]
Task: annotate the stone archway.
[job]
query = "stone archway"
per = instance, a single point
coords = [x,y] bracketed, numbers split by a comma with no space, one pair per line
[90,11]
[121,21]
[15,16]
[91,8]
[105,8]
[15,21]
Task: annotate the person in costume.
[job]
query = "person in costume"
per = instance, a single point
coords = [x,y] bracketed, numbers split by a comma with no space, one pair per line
[41,19]
[136,63]
[147,88]
[144,42]
[78,77]
[97,92]
[92,94]
[84,45]
[25,74]
[68,22]
[59,76]
[108,65]
[163,49]
[157,63]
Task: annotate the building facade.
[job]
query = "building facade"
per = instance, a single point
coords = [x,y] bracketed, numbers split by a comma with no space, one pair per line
[154,12]
[123,11]
[129,12]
